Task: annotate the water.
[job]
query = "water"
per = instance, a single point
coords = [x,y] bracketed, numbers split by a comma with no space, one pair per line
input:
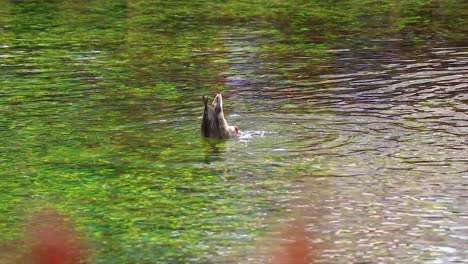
[386,134]
[357,125]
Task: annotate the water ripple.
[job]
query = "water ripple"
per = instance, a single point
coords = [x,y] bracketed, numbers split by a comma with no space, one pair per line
[391,131]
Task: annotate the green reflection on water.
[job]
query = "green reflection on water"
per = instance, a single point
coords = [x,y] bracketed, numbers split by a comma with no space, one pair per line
[100,101]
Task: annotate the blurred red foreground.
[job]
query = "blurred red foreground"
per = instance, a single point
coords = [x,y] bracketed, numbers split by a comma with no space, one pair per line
[51,239]
[295,249]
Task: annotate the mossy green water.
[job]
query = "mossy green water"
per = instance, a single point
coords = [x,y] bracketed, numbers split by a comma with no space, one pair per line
[99,113]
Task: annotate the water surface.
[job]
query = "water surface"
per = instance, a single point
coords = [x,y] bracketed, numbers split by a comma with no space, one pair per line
[353,117]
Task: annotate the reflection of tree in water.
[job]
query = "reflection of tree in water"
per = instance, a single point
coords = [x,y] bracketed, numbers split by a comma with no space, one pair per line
[243,77]
[85,86]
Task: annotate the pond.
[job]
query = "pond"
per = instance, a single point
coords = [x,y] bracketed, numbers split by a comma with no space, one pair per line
[353,118]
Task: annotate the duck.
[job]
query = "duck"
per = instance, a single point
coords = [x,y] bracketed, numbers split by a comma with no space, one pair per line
[214,125]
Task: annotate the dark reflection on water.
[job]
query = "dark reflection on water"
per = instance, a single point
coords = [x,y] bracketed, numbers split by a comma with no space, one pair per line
[361,130]
[392,123]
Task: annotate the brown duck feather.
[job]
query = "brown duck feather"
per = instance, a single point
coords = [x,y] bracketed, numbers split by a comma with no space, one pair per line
[214,125]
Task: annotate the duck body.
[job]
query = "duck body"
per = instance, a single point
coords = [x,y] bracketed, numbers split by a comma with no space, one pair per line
[214,125]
